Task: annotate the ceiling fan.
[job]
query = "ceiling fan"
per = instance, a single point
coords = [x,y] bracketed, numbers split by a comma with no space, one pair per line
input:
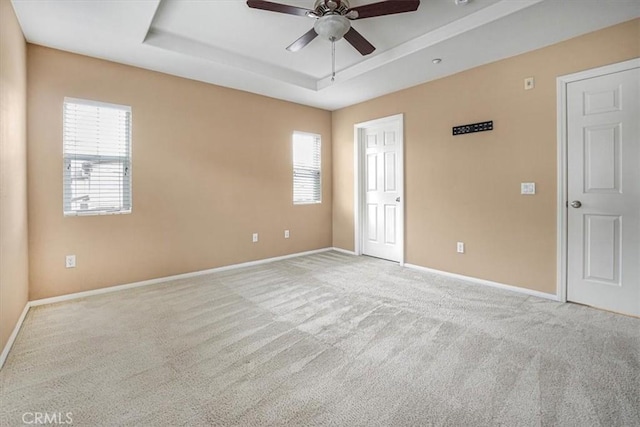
[333,20]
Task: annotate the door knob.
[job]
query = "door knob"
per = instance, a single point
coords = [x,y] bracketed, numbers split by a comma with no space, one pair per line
[576,204]
[397,199]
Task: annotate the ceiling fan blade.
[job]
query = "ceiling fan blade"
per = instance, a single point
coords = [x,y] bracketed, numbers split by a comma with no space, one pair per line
[359,42]
[277,7]
[388,7]
[302,41]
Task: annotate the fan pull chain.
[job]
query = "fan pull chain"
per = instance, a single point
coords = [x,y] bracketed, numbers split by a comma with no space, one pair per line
[333,60]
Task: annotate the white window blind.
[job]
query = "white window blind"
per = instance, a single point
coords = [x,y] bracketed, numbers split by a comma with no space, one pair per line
[307,176]
[97,158]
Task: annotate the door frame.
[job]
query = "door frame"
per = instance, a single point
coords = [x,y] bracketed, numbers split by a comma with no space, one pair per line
[562,83]
[359,180]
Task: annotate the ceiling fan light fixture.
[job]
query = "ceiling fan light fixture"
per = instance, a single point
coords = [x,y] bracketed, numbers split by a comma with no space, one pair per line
[332,27]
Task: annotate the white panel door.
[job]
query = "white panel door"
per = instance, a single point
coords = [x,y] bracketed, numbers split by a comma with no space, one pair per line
[603,234]
[382,204]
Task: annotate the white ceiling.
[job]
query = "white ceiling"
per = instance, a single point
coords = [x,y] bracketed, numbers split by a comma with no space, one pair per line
[224,42]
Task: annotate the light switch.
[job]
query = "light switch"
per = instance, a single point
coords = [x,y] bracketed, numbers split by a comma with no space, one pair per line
[528,188]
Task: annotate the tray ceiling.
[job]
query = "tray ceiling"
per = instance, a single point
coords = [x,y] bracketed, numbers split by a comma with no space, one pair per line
[224,42]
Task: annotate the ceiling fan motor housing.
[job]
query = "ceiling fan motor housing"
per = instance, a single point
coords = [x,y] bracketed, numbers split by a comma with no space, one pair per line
[323,7]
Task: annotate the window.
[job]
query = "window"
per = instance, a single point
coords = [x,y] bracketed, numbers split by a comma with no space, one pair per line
[97,158]
[307,177]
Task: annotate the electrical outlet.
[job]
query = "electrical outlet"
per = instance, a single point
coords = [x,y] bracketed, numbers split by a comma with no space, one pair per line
[529,83]
[255,237]
[70,261]
[460,247]
[286,234]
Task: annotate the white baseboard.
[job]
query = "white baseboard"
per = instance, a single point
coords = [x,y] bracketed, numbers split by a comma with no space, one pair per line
[117,288]
[14,334]
[344,251]
[484,282]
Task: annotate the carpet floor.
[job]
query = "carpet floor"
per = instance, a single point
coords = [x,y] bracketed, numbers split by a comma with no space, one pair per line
[325,339]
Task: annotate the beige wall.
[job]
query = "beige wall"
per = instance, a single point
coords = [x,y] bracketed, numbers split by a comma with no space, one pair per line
[210,166]
[14,269]
[466,188]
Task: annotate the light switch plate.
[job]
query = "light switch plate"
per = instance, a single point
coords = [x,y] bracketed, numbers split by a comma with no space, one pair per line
[528,188]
